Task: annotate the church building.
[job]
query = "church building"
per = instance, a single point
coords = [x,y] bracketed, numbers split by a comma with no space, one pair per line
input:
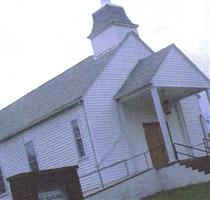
[129,117]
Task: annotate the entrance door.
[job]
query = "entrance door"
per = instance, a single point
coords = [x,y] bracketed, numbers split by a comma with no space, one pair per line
[156,144]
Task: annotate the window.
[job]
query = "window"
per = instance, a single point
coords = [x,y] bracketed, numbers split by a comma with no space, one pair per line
[31,156]
[78,138]
[2,184]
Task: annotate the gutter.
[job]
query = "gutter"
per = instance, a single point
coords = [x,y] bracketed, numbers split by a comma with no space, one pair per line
[120,97]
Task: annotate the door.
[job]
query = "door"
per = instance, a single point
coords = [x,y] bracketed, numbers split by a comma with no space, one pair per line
[156,144]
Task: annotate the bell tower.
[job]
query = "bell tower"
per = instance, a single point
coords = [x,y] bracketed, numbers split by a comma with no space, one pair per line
[110,26]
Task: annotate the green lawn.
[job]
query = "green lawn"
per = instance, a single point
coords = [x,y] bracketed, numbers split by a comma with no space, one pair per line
[194,192]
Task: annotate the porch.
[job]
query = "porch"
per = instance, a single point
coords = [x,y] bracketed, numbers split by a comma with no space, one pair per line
[157,137]
[160,122]
[154,121]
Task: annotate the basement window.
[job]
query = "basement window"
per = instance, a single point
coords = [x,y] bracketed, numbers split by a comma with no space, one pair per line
[31,154]
[78,138]
[2,184]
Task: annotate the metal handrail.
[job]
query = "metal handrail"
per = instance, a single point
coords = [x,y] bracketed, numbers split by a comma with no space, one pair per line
[204,126]
[206,145]
[114,164]
[190,147]
[125,161]
[131,158]
[205,132]
[126,164]
[202,143]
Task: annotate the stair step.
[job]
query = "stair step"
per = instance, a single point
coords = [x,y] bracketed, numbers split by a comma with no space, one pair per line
[202,164]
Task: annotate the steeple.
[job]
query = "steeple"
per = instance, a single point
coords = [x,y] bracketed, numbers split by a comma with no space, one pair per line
[110,26]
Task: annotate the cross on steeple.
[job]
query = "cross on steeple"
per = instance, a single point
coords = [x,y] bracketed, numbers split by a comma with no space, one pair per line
[103,2]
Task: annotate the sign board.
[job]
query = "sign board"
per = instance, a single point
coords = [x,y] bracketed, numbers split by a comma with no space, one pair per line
[51,184]
[53,195]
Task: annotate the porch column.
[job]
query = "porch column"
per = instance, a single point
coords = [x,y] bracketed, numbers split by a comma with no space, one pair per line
[208,95]
[162,121]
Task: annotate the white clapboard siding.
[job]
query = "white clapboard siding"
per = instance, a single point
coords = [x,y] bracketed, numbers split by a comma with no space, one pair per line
[176,131]
[204,104]
[13,161]
[136,114]
[191,111]
[177,71]
[102,111]
[109,38]
[55,147]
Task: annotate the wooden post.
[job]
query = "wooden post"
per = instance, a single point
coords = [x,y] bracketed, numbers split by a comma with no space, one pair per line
[162,121]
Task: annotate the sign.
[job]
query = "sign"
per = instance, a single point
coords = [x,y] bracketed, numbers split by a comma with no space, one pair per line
[50,184]
[52,195]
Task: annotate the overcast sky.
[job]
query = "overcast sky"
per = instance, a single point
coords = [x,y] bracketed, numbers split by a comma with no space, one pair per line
[39,39]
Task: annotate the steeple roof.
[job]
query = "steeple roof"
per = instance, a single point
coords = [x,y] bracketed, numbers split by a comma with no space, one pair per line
[108,15]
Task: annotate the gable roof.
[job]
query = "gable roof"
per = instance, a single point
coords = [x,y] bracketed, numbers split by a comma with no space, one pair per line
[199,72]
[143,72]
[107,15]
[57,93]
[146,69]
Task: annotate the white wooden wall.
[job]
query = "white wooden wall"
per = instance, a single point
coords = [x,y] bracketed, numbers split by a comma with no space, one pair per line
[204,104]
[191,111]
[55,147]
[177,133]
[109,38]
[102,111]
[53,139]
[138,113]
[176,71]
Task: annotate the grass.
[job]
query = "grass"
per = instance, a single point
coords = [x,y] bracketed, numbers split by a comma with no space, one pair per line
[193,192]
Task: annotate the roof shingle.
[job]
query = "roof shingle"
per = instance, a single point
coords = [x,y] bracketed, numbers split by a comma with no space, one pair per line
[143,72]
[108,15]
[56,93]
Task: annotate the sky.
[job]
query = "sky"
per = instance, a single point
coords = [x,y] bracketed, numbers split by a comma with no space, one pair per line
[40,39]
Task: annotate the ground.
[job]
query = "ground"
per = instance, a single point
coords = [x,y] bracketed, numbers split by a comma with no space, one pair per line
[194,192]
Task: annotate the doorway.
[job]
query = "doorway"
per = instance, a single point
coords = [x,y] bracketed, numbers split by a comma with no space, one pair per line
[156,144]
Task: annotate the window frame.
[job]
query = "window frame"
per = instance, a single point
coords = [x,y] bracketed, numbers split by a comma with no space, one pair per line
[30,163]
[4,182]
[80,138]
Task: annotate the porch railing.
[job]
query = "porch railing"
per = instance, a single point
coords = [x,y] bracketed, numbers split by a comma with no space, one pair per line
[127,166]
[206,145]
[204,126]
[193,148]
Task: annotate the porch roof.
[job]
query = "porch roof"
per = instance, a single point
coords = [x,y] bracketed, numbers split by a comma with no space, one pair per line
[148,69]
